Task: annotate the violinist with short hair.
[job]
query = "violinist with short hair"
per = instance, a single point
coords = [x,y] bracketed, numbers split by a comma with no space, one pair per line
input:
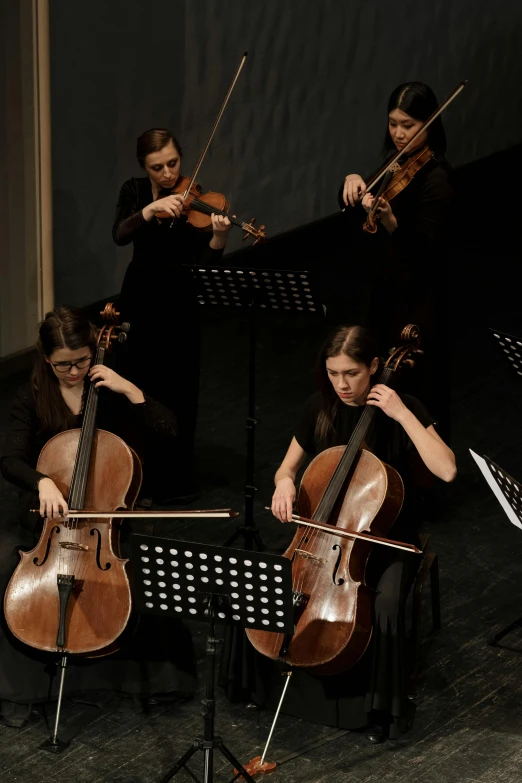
[158,299]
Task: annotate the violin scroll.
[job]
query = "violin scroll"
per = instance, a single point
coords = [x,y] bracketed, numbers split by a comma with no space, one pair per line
[250,230]
[370,225]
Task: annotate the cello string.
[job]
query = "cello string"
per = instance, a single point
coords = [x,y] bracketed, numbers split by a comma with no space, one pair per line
[318,543]
[81,472]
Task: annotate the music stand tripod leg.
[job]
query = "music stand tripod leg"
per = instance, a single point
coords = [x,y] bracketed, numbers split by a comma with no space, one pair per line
[209,741]
[180,764]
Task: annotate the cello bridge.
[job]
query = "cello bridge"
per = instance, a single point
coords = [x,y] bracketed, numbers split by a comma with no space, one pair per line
[308,555]
[73,545]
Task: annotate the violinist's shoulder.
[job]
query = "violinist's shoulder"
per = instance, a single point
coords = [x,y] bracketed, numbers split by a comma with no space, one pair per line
[438,177]
[134,185]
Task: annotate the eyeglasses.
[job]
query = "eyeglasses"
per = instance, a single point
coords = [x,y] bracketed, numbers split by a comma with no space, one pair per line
[81,364]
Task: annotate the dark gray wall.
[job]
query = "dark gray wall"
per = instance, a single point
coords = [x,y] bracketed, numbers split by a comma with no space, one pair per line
[310,104]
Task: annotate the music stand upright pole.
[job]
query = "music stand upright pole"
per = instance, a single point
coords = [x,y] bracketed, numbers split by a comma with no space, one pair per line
[279,290]
[249,530]
[209,741]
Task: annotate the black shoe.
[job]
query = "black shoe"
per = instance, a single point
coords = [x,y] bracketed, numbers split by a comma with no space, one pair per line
[376,734]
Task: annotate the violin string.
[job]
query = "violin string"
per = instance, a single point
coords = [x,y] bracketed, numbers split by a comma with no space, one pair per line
[201,206]
[319,543]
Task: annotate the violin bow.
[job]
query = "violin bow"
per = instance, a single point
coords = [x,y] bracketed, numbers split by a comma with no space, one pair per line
[218,119]
[338,531]
[213,513]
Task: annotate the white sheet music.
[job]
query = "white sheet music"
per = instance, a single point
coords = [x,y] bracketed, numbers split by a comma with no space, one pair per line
[499,494]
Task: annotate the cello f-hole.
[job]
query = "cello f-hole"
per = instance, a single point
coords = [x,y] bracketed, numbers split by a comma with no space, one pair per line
[98,550]
[35,559]
[337,580]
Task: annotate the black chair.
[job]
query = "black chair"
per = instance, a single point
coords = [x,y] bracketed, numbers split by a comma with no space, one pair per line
[429,565]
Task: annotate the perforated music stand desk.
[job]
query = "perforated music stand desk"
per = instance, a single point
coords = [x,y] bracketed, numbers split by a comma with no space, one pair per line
[200,581]
[509,494]
[511,346]
[268,290]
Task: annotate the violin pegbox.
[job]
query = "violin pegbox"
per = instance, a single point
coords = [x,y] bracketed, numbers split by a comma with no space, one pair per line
[251,230]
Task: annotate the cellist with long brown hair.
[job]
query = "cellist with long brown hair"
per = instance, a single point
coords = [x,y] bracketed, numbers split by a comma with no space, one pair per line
[52,402]
[373,693]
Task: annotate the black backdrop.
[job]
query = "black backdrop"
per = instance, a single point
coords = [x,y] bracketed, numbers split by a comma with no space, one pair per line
[309,106]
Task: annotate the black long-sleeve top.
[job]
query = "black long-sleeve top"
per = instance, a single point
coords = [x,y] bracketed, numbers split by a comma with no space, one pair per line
[422,210]
[161,247]
[24,438]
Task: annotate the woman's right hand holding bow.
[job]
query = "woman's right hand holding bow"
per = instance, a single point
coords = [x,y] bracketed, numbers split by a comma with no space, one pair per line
[173,205]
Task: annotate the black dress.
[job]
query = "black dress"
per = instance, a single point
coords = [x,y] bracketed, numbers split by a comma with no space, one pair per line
[375,689]
[158,300]
[159,657]
[385,281]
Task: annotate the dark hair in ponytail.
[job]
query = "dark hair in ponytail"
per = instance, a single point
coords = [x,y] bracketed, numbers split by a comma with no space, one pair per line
[358,344]
[64,327]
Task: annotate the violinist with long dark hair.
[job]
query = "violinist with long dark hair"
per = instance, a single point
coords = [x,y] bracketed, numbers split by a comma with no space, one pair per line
[398,275]
[373,693]
[158,299]
[53,401]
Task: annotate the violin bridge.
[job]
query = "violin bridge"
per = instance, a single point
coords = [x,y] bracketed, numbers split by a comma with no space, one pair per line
[308,555]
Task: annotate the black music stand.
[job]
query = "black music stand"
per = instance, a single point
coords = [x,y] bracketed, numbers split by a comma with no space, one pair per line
[181,578]
[279,290]
[509,494]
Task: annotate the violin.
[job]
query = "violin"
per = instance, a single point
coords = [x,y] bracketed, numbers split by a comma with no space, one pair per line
[346,487]
[199,206]
[396,179]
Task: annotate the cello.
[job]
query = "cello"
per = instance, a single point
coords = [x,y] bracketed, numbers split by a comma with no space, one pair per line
[71,593]
[346,487]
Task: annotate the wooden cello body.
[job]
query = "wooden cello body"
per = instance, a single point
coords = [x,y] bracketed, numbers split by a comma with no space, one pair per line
[346,486]
[71,593]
